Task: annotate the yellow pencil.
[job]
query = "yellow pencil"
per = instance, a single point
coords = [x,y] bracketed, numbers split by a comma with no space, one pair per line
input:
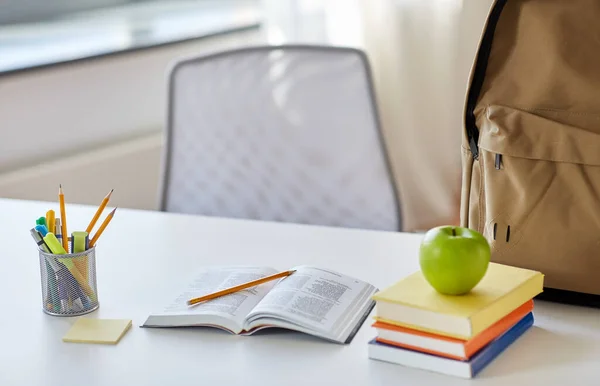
[63,219]
[102,228]
[99,212]
[239,287]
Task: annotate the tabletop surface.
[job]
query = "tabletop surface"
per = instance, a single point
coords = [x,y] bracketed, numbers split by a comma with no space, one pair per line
[144,258]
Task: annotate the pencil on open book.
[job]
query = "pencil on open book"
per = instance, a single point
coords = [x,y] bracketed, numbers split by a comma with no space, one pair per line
[239,287]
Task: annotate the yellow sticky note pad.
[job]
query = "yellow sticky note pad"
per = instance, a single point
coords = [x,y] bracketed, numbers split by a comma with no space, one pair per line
[103,331]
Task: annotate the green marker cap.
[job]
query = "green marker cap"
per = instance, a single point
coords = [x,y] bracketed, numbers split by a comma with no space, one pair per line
[79,242]
[40,221]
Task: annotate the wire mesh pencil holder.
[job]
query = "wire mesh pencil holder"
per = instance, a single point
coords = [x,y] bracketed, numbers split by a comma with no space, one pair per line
[69,283]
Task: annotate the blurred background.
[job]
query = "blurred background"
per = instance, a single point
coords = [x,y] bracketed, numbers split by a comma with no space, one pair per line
[83,87]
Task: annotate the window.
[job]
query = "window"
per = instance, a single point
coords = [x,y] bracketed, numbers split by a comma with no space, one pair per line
[43,32]
[32,11]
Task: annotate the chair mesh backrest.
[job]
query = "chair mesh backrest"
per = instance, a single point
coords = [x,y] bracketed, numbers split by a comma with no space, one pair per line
[284,134]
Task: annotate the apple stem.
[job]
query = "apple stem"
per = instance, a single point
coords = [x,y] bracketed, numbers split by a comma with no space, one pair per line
[453,232]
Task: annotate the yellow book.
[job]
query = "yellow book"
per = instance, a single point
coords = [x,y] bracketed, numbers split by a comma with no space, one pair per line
[413,303]
[104,331]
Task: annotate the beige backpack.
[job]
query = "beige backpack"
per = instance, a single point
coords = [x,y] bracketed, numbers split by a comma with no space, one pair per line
[531,143]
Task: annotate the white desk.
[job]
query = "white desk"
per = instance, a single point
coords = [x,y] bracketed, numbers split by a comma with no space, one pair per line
[145,257]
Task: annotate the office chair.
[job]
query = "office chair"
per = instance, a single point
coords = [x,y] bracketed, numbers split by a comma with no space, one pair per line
[278,133]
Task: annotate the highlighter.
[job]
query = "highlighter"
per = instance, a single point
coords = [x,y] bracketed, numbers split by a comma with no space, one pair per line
[57,248]
[54,245]
[50,220]
[79,243]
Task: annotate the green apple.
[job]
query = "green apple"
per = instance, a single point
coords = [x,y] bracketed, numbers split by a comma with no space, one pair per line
[454,259]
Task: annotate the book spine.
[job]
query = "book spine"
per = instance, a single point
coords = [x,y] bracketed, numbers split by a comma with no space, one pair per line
[495,348]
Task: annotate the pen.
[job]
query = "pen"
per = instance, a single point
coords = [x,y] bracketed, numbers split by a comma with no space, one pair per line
[72,289]
[78,298]
[62,281]
[239,287]
[57,230]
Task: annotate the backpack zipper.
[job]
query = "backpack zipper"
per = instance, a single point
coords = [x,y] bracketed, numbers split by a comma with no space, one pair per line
[498,162]
[485,47]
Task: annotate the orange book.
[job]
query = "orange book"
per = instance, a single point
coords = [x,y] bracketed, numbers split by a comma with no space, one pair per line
[446,346]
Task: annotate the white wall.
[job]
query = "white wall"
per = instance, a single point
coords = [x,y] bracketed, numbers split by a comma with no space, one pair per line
[79,124]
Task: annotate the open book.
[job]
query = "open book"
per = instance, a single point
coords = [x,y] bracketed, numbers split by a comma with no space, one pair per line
[314,301]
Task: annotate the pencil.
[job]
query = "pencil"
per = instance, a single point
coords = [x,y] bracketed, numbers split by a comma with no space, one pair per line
[63,219]
[102,228]
[239,287]
[99,212]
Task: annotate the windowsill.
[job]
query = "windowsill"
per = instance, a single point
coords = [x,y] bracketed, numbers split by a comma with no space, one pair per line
[118,30]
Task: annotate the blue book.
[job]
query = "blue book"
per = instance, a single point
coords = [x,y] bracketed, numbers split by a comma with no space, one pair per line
[465,369]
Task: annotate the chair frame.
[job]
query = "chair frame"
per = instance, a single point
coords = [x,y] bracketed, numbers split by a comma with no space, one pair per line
[168,132]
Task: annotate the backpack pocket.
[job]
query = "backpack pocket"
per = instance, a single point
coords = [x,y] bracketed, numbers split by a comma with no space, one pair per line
[538,193]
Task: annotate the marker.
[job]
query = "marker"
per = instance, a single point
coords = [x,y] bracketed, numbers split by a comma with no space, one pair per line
[40,221]
[42,229]
[79,243]
[53,300]
[54,245]
[38,238]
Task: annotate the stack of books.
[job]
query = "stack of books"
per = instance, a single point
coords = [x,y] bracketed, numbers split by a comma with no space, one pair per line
[455,335]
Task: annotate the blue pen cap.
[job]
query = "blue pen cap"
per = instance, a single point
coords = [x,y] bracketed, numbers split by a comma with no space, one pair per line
[42,229]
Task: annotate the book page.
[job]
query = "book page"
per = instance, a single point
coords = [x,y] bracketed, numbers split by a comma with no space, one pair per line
[316,298]
[234,306]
